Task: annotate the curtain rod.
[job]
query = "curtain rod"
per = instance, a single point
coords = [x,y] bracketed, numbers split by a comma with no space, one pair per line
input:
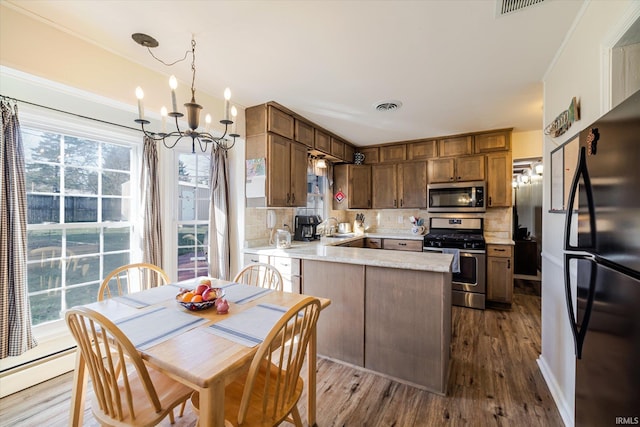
[9,98]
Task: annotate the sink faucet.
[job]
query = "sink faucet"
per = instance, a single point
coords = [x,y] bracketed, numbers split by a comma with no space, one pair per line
[326,228]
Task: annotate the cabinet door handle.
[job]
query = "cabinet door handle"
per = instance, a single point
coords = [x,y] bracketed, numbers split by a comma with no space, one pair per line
[489,200]
[394,203]
[451,178]
[293,197]
[402,244]
[368,203]
[254,260]
[459,178]
[288,198]
[508,264]
[499,250]
[401,202]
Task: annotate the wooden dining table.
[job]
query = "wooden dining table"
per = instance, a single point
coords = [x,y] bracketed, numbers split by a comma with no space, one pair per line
[197,358]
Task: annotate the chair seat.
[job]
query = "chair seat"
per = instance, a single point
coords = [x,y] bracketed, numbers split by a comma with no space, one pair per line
[171,393]
[254,416]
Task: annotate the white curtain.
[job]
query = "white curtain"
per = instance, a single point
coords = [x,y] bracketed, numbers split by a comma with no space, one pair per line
[15,318]
[150,193]
[219,250]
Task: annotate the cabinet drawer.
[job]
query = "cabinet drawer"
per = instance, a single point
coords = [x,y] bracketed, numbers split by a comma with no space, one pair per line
[373,243]
[255,258]
[503,251]
[402,245]
[286,266]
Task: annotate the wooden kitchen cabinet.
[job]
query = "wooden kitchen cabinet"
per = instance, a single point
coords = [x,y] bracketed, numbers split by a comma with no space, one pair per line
[500,274]
[337,148]
[408,331]
[422,150]
[371,155]
[393,153]
[340,328]
[289,269]
[384,183]
[322,141]
[265,118]
[453,169]
[493,141]
[349,151]
[355,182]
[456,146]
[499,172]
[401,185]
[402,245]
[412,184]
[304,133]
[285,168]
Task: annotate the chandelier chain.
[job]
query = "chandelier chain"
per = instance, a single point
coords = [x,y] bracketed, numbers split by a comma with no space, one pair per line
[193,67]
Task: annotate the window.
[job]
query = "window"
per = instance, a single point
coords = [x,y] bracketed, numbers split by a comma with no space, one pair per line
[193,215]
[79,215]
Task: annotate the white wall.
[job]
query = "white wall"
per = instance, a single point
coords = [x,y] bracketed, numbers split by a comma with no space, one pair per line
[581,69]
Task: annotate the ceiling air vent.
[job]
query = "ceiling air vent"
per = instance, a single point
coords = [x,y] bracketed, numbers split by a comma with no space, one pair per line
[509,6]
[387,105]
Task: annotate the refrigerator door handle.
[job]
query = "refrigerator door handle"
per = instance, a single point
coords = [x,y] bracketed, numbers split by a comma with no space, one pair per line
[579,332]
[581,169]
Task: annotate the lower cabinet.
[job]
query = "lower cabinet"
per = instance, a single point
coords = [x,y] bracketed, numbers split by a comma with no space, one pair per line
[500,273]
[341,324]
[289,269]
[408,325]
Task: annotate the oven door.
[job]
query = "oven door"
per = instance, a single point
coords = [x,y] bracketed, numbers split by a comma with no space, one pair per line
[473,268]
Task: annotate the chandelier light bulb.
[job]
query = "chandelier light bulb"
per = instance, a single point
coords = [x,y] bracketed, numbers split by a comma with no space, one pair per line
[207,121]
[227,97]
[227,94]
[173,84]
[234,113]
[140,96]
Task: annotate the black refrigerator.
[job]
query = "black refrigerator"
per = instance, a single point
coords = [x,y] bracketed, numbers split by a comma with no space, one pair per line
[602,268]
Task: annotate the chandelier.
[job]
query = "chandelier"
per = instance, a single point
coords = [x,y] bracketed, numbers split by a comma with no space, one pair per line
[203,138]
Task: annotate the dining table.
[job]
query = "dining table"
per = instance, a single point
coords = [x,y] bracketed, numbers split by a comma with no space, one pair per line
[198,348]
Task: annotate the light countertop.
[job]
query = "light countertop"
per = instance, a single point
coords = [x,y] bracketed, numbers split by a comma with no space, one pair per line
[325,251]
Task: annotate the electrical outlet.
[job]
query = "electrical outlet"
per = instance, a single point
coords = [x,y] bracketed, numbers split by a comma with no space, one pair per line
[399,219]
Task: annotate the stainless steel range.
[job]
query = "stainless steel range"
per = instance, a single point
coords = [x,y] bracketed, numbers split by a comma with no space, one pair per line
[463,238]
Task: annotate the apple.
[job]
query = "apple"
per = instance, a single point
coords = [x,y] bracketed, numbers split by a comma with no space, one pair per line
[206,282]
[201,288]
[209,294]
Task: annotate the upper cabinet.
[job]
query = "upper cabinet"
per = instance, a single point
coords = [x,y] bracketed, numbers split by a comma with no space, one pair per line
[401,185]
[349,151]
[452,169]
[422,150]
[304,133]
[499,171]
[323,142]
[494,141]
[393,153]
[458,146]
[354,181]
[267,118]
[371,154]
[337,148]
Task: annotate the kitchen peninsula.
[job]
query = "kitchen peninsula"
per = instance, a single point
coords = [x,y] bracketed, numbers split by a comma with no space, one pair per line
[390,311]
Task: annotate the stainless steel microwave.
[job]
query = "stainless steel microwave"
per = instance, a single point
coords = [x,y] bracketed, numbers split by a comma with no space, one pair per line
[457,197]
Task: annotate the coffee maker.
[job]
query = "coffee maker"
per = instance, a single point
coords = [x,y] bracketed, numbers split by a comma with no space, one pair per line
[306,227]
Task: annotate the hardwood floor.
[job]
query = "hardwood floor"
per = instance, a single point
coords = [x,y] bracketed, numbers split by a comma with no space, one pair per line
[494,381]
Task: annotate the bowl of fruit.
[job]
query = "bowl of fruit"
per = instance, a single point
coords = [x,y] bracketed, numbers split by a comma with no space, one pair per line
[200,298]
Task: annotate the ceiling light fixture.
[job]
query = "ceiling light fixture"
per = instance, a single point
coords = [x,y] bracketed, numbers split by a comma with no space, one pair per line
[539,168]
[321,163]
[193,109]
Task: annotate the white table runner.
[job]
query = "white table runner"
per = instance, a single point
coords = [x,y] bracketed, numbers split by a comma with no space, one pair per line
[150,327]
[240,293]
[249,327]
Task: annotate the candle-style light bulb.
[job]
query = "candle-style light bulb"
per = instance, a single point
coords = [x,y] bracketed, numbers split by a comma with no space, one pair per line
[173,84]
[227,97]
[163,113]
[234,113]
[140,96]
[207,121]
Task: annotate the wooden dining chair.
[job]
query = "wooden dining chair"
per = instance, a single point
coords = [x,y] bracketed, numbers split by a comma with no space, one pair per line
[126,391]
[268,394]
[119,281]
[262,275]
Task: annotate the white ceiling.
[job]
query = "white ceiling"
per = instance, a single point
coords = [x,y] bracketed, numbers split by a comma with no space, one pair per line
[454,64]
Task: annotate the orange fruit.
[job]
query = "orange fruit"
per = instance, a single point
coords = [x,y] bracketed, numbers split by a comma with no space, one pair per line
[196,298]
[186,297]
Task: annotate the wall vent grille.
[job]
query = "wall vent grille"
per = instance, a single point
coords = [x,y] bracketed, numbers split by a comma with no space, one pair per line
[509,6]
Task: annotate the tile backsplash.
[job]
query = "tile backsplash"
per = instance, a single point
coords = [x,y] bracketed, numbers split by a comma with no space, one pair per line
[497,221]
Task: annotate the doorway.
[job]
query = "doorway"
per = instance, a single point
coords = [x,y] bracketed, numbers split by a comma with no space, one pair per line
[527,217]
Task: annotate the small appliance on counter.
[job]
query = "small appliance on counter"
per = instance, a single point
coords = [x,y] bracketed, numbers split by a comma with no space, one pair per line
[306,228]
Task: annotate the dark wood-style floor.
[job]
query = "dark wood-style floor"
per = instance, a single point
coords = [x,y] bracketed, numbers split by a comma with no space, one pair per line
[494,381]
